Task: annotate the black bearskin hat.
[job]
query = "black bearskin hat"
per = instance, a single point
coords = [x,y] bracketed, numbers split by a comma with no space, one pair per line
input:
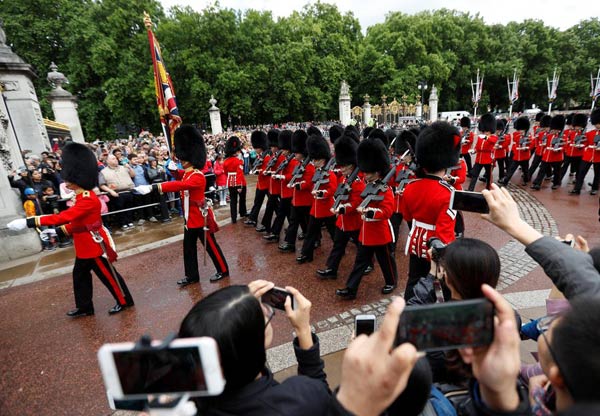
[366,131]
[259,140]
[335,132]
[580,120]
[595,117]
[569,119]
[352,131]
[373,156]
[391,135]
[487,122]
[545,121]
[285,140]
[500,124]
[273,136]
[79,166]
[317,147]
[465,122]
[299,142]
[438,146]
[345,151]
[189,145]
[557,122]
[538,116]
[232,145]
[522,123]
[379,134]
[314,130]
[405,139]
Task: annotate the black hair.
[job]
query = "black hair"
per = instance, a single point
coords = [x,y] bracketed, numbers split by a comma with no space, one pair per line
[575,343]
[413,399]
[469,263]
[595,254]
[234,318]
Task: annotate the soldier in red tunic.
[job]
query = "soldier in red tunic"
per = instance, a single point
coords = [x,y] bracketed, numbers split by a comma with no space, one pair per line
[236,181]
[94,248]
[522,144]
[552,154]
[540,137]
[426,200]
[575,145]
[486,142]
[591,156]
[466,141]
[199,218]
[376,235]
[259,143]
[274,189]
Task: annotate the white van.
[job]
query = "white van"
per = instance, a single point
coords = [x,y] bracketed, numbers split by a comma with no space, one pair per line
[451,116]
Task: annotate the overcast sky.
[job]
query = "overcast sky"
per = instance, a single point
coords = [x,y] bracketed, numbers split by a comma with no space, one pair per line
[561,14]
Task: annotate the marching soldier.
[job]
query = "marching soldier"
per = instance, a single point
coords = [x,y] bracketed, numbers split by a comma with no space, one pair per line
[466,141]
[575,145]
[552,154]
[501,148]
[486,142]
[273,191]
[236,181]
[540,138]
[521,151]
[94,248]
[259,143]
[426,200]
[591,156]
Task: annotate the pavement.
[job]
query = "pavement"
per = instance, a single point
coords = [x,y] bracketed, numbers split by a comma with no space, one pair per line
[48,361]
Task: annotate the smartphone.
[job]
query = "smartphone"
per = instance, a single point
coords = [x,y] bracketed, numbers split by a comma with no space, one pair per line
[364,324]
[449,325]
[469,201]
[570,243]
[189,365]
[276,298]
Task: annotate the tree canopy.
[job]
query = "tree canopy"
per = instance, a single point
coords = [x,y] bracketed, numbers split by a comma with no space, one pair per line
[263,69]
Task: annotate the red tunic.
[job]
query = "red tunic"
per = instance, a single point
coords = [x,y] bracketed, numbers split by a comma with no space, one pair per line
[426,202]
[521,152]
[460,173]
[378,230]
[191,186]
[500,150]
[286,191]
[592,152]
[263,180]
[552,153]
[396,186]
[78,220]
[485,149]
[301,193]
[274,184]
[234,169]
[572,148]
[466,142]
[321,207]
[540,140]
[350,219]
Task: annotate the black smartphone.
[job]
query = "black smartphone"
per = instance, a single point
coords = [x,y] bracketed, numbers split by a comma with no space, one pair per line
[364,324]
[449,325]
[276,298]
[469,201]
[570,243]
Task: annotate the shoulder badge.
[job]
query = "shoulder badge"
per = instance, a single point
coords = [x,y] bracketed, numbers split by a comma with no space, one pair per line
[85,194]
[446,185]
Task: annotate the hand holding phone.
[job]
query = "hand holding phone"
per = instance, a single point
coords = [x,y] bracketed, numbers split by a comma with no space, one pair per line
[276,297]
[469,201]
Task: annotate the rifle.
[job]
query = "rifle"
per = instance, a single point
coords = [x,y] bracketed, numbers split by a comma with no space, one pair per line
[557,142]
[524,141]
[258,162]
[284,164]
[373,190]
[298,172]
[272,163]
[463,139]
[578,141]
[321,176]
[404,176]
[343,190]
[501,136]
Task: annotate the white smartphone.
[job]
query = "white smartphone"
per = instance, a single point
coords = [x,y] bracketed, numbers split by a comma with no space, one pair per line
[188,365]
[364,324]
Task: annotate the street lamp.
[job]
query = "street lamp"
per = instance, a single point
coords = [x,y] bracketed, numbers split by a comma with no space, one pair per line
[422,87]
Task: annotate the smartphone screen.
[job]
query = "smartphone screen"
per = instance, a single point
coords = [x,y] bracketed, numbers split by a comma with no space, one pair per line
[163,371]
[449,325]
[364,324]
[276,298]
[469,201]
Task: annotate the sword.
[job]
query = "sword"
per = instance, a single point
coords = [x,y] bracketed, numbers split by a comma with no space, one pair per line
[207,205]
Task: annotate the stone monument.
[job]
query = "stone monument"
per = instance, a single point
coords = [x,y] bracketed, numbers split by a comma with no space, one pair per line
[344,101]
[64,104]
[215,116]
[433,104]
[21,100]
[366,111]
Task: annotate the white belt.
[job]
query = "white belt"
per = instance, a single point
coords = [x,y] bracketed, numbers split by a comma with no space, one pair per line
[424,225]
[231,173]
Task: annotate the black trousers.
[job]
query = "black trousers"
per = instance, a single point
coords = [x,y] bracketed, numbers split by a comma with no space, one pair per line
[162,204]
[364,258]
[534,165]
[272,204]
[475,176]
[234,193]
[340,241]
[190,252]
[82,282]
[513,168]
[583,170]
[570,161]
[467,158]
[418,267]
[283,211]
[122,201]
[502,166]
[298,218]
[459,224]
[396,220]
[314,232]
[259,198]
[554,167]
[139,200]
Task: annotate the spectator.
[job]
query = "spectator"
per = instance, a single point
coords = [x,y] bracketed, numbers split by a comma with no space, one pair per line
[241,326]
[141,178]
[38,183]
[117,181]
[156,174]
[221,179]
[32,208]
[49,201]
[20,179]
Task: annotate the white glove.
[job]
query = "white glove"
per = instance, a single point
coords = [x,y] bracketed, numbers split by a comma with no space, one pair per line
[143,189]
[171,165]
[50,232]
[17,225]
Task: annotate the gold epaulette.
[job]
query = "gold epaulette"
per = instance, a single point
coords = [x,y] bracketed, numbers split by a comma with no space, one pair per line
[85,194]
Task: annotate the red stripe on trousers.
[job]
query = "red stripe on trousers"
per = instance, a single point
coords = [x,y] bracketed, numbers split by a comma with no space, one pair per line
[211,243]
[111,280]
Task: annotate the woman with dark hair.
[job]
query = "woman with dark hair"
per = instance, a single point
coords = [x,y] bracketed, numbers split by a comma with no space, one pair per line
[241,326]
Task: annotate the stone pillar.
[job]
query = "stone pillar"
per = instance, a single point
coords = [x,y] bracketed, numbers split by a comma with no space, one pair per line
[21,100]
[215,117]
[344,101]
[419,110]
[64,104]
[433,104]
[367,111]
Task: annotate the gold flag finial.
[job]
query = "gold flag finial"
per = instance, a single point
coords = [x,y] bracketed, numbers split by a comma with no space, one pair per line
[147,21]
